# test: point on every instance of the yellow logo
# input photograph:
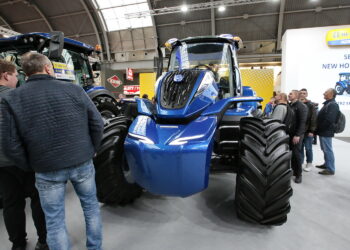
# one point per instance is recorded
(338, 37)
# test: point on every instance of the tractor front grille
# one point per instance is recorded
(175, 93)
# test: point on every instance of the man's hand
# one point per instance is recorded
(310, 135)
(296, 139)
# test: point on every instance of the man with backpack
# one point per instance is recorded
(297, 133)
(326, 125)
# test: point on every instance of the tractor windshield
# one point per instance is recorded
(216, 57)
(344, 77)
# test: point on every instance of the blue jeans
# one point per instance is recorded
(52, 186)
(326, 146)
(307, 144)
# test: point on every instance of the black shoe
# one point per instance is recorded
(41, 246)
(19, 247)
(298, 179)
(323, 166)
(326, 172)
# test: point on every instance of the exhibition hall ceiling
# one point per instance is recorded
(140, 25)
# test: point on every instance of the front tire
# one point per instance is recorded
(107, 106)
(339, 89)
(263, 185)
(113, 186)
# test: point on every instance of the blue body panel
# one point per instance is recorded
(344, 84)
(162, 168)
(91, 88)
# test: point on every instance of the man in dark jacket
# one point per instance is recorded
(55, 129)
(326, 119)
(16, 184)
(310, 127)
(296, 136)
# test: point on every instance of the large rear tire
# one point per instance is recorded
(107, 106)
(112, 174)
(263, 185)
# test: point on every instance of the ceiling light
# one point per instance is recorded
(222, 8)
(184, 8)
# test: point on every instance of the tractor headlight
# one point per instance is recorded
(141, 138)
(208, 79)
(184, 140)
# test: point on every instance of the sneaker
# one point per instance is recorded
(323, 166)
(308, 167)
(298, 179)
(326, 172)
(41, 246)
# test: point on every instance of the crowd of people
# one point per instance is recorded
(303, 122)
(51, 130)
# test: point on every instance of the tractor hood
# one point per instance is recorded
(183, 94)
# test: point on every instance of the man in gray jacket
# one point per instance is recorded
(16, 184)
(56, 130)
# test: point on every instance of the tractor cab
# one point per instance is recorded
(214, 54)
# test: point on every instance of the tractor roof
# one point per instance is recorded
(29, 39)
(344, 74)
(202, 39)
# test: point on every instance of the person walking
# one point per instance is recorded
(326, 119)
(56, 130)
(297, 135)
(310, 127)
(16, 184)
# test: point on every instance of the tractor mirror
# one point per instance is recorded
(56, 44)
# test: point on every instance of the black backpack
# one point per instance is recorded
(339, 125)
(289, 120)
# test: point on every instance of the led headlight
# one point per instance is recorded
(141, 138)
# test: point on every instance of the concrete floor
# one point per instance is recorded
(319, 218)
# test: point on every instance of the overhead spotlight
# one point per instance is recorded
(222, 8)
(184, 8)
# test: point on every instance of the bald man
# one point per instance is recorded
(326, 119)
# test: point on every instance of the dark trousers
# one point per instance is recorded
(296, 156)
(15, 186)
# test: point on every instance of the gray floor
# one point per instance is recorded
(319, 218)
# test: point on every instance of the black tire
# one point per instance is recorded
(339, 89)
(107, 106)
(263, 185)
(112, 184)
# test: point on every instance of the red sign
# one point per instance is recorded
(129, 74)
(131, 89)
(114, 81)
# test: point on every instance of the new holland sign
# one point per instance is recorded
(114, 81)
(338, 37)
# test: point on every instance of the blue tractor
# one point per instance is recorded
(343, 84)
(70, 59)
(203, 121)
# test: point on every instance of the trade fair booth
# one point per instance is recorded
(318, 59)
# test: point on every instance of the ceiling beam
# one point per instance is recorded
(155, 32)
(280, 24)
(103, 27)
(7, 23)
(256, 15)
(35, 6)
(212, 18)
(93, 23)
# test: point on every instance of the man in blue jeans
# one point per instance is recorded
(326, 119)
(310, 127)
(55, 129)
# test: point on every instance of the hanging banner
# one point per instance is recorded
(129, 74)
(338, 37)
(114, 81)
(131, 89)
